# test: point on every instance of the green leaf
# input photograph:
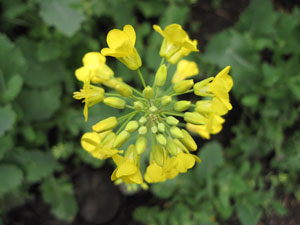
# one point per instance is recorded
(37, 164)
(13, 88)
(48, 50)
(62, 16)
(258, 19)
(212, 157)
(7, 143)
(248, 214)
(11, 177)
(11, 59)
(40, 104)
(60, 195)
(234, 49)
(164, 190)
(250, 100)
(174, 14)
(7, 119)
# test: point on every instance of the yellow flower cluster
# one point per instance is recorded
(156, 112)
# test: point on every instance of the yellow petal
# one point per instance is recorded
(90, 140)
(126, 169)
(82, 73)
(93, 60)
(128, 29)
(136, 178)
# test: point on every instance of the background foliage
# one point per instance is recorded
(243, 170)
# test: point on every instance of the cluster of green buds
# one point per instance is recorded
(155, 126)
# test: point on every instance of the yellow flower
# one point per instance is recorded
(213, 126)
(121, 46)
(176, 41)
(218, 87)
(211, 106)
(94, 68)
(185, 69)
(127, 167)
(91, 95)
(100, 148)
(181, 53)
(185, 161)
(154, 173)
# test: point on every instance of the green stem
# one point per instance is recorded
(125, 116)
(125, 123)
(141, 77)
(162, 61)
(189, 91)
(174, 114)
(112, 94)
(129, 106)
(138, 92)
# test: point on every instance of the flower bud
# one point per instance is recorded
(143, 120)
(148, 92)
(141, 144)
(166, 100)
(182, 106)
(183, 86)
(121, 139)
(154, 129)
(90, 140)
(204, 106)
(171, 146)
(138, 106)
(142, 130)
(201, 89)
(161, 127)
(180, 145)
(176, 132)
(194, 117)
(188, 141)
(115, 102)
(171, 120)
(153, 109)
(106, 124)
(161, 76)
(132, 126)
(161, 139)
(124, 89)
(109, 139)
(158, 154)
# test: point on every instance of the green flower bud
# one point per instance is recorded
(161, 76)
(180, 145)
(121, 139)
(166, 100)
(158, 154)
(138, 106)
(153, 109)
(194, 118)
(204, 106)
(106, 124)
(148, 92)
(124, 89)
(142, 130)
(141, 144)
(142, 120)
(200, 87)
(176, 132)
(154, 129)
(161, 127)
(182, 106)
(132, 126)
(171, 120)
(161, 139)
(171, 146)
(188, 141)
(183, 86)
(109, 139)
(115, 102)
